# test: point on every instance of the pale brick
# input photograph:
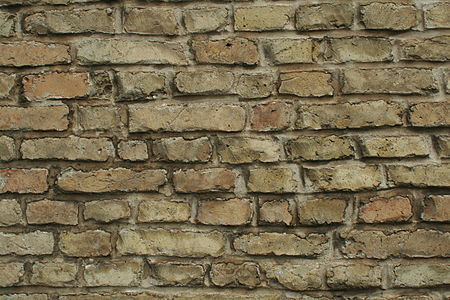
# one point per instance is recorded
(10, 213)
(107, 210)
(19, 54)
(261, 18)
(177, 274)
(391, 16)
(422, 274)
(436, 15)
(321, 211)
(225, 212)
(133, 150)
(359, 49)
(140, 85)
(386, 209)
(434, 49)
(32, 243)
(238, 150)
(30, 296)
(443, 146)
(394, 146)
(204, 82)
(53, 273)
(230, 296)
(7, 83)
(52, 212)
(155, 211)
(231, 274)
(41, 2)
(157, 21)
(271, 116)
(11, 273)
(114, 273)
(204, 180)
(436, 208)
(324, 16)
(97, 117)
(272, 180)
(297, 277)
(205, 19)
(85, 244)
(306, 84)
(7, 24)
(290, 51)
(183, 150)
(355, 275)
(276, 211)
(7, 149)
(421, 175)
(255, 85)
(34, 118)
(23, 181)
(319, 148)
(430, 114)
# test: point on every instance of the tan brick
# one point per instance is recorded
(319, 148)
(7, 83)
(391, 16)
(307, 276)
(52, 212)
(271, 116)
(386, 209)
(7, 24)
(7, 149)
(97, 117)
(170, 243)
(255, 85)
(124, 272)
(119, 51)
(177, 274)
(271, 243)
(41, 2)
(443, 146)
(183, 150)
(231, 274)
(354, 275)
(155, 21)
(422, 274)
(140, 85)
(289, 51)
(23, 181)
(394, 146)
(321, 211)
(85, 244)
(324, 16)
(238, 150)
(107, 210)
(53, 273)
(262, 18)
(204, 180)
(133, 150)
(24, 297)
(237, 50)
(10, 213)
(420, 175)
(434, 49)
(190, 117)
(272, 180)
(32, 243)
(430, 114)
(359, 49)
(69, 148)
(247, 295)
(225, 212)
(204, 82)
(276, 211)
(10, 274)
(70, 21)
(155, 211)
(34, 118)
(19, 54)
(436, 15)
(306, 84)
(111, 180)
(436, 208)
(205, 19)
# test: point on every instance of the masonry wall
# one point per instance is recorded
(187, 150)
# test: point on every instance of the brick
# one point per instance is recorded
(422, 274)
(155, 211)
(307, 276)
(324, 16)
(321, 211)
(420, 175)
(205, 19)
(436, 15)
(10, 274)
(381, 245)
(177, 274)
(7, 24)
(251, 86)
(319, 148)
(436, 208)
(271, 116)
(358, 49)
(238, 150)
(190, 117)
(343, 178)
(52, 212)
(247, 295)
(133, 150)
(111, 180)
(272, 180)
(32, 243)
(390, 16)
(225, 212)
(271, 243)
(140, 85)
(231, 51)
(349, 115)
(70, 21)
(125, 272)
(53, 273)
(85, 244)
(306, 84)
(386, 209)
(155, 21)
(41, 2)
(34, 118)
(170, 243)
(7, 149)
(7, 83)
(354, 275)
(20, 54)
(443, 146)
(69, 148)
(389, 81)
(394, 146)
(434, 49)
(10, 213)
(276, 211)
(107, 211)
(97, 117)
(290, 51)
(231, 274)
(118, 51)
(204, 82)
(430, 114)
(102, 85)
(24, 297)
(183, 150)
(204, 180)
(23, 181)
(261, 18)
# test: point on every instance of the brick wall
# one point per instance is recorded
(187, 150)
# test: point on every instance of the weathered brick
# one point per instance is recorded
(19, 54)
(205, 19)
(97, 117)
(430, 114)
(85, 244)
(124, 272)
(24, 297)
(343, 178)
(237, 50)
(10, 213)
(42, 2)
(381, 245)
(272, 116)
(434, 49)
(389, 81)
(276, 211)
(34, 118)
(394, 146)
(238, 150)
(53, 273)
(111, 180)
(151, 21)
(247, 295)
(69, 148)
(255, 85)
(133, 150)
(225, 212)
(204, 180)
(321, 211)
(10, 274)
(178, 274)
(118, 51)
(190, 117)
(436, 208)
(106, 210)
(183, 150)
(7, 83)
(7, 24)
(391, 16)
(231, 274)
(349, 115)
(204, 82)
(443, 146)
(155, 211)
(354, 275)
(386, 209)
(289, 51)
(267, 243)
(140, 85)
(358, 49)
(70, 21)
(319, 148)
(170, 243)
(32, 243)
(422, 274)
(436, 15)
(272, 180)
(23, 181)
(261, 18)
(7, 149)
(306, 84)
(297, 277)
(52, 212)
(421, 175)
(324, 16)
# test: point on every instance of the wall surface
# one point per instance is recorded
(225, 150)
